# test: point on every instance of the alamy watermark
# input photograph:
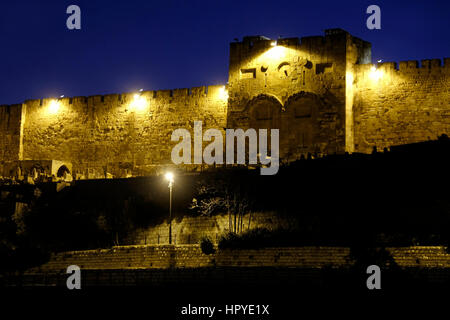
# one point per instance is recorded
(213, 152)
(74, 280)
(74, 20)
(374, 20)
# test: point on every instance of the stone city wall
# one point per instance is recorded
(191, 256)
(321, 92)
(117, 134)
(400, 106)
(190, 230)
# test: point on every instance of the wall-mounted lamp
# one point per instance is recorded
(139, 102)
(54, 106)
(375, 74)
(223, 93)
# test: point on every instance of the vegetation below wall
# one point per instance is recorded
(391, 198)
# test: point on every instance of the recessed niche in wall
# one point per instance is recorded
(284, 68)
(324, 68)
(303, 110)
(249, 73)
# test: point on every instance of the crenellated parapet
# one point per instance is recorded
(400, 103)
(103, 135)
(321, 92)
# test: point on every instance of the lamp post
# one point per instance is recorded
(169, 177)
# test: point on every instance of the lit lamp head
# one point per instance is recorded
(53, 107)
(375, 74)
(139, 102)
(223, 93)
(169, 177)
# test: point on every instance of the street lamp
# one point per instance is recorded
(169, 177)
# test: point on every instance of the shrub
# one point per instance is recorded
(207, 245)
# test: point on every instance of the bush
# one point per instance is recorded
(207, 245)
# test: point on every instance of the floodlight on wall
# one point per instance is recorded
(139, 103)
(375, 74)
(275, 53)
(53, 106)
(223, 93)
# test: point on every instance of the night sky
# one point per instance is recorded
(127, 45)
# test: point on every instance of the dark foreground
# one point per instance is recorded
(288, 293)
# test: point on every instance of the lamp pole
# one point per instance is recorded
(169, 177)
(170, 211)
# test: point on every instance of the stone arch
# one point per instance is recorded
(264, 97)
(300, 125)
(303, 104)
(264, 112)
(62, 170)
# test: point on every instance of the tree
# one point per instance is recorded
(219, 196)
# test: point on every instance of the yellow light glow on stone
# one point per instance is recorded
(276, 53)
(139, 103)
(223, 93)
(375, 74)
(54, 107)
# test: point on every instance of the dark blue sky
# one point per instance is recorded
(127, 45)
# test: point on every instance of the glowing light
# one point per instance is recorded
(169, 177)
(375, 74)
(223, 93)
(53, 107)
(273, 43)
(139, 103)
(276, 53)
(349, 79)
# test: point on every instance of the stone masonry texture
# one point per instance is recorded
(191, 256)
(321, 92)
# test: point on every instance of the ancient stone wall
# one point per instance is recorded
(394, 106)
(321, 92)
(190, 230)
(10, 132)
(191, 256)
(118, 134)
(297, 86)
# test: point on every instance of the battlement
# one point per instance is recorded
(211, 91)
(411, 66)
(258, 43)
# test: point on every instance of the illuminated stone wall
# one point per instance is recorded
(320, 91)
(399, 106)
(296, 85)
(118, 134)
(190, 230)
(191, 256)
